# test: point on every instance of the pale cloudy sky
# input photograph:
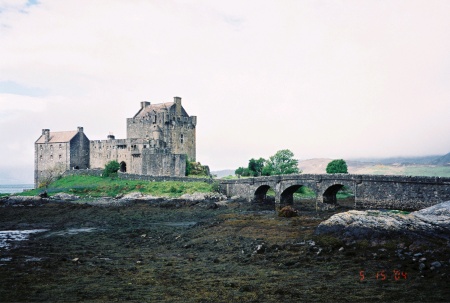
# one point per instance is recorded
(336, 79)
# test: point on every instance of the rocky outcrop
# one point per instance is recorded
(65, 197)
(433, 221)
(22, 200)
(203, 196)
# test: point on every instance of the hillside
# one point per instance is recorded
(318, 166)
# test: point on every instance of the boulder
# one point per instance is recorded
(369, 224)
(203, 196)
(65, 197)
(22, 199)
(137, 196)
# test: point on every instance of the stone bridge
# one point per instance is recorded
(370, 191)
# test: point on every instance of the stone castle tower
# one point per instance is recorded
(160, 138)
(56, 152)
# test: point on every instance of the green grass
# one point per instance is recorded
(100, 187)
(430, 171)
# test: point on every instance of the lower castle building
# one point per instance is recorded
(160, 138)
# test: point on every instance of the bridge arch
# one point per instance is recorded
(260, 194)
(287, 195)
(330, 194)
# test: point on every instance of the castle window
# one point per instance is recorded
(60, 146)
(60, 157)
(51, 157)
(51, 146)
(40, 157)
(40, 147)
(181, 138)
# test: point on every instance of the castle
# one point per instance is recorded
(160, 138)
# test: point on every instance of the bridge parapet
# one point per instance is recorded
(371, 191)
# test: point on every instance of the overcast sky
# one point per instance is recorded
(335, 79)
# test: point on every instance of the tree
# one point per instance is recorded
(337, 167)
(256, 166)
(239, 171)
(282, 163)
(51, 175)
(188, 167)
(111, 169)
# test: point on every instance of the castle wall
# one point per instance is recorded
(183, 138)
(104, 151)
(57, 152)
(137, 157)
(159, 164)
(79, 152)
(50, 159)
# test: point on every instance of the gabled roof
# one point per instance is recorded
(58, 137)
(153, 107)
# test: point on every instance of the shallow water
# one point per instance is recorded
(177, 224)
(9, 236)
(71, 231)
(14, 188)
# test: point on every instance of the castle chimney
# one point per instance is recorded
(144, 104)
(111, 137)
(80, 129)
(46, 134)
(177, 101)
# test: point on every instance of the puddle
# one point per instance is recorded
(9, 236)
(71, 231)
(33, 259)
(176, 224)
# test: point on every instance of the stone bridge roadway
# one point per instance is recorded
(370, 191)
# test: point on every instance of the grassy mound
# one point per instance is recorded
(92, 186)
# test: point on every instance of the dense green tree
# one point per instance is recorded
(256, 166)
(337, 167)
(188, 167)
(239, 171)
(111, 169)
(281, 163)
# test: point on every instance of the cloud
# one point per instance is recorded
(322, 78)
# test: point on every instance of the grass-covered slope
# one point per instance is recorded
(93, 186)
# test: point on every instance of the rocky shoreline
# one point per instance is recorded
(203, 248)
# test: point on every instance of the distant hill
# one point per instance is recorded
(223, 173)
(433, 166)
(424, 160)
(444, 160)
(411, 166)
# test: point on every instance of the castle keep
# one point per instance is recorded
(160, 137)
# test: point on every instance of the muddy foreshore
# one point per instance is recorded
(190, 251)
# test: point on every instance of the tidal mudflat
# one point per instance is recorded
(195, 252)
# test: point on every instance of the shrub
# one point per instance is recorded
(111, 169)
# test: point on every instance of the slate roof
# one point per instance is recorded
(153, 107)
(58, 137)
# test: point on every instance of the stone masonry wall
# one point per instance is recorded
(370, 191)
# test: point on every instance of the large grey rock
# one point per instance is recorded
(138, 196)
(366, 224)
(65, 197)
(20, 199)
(438, 214)
(203, 196)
